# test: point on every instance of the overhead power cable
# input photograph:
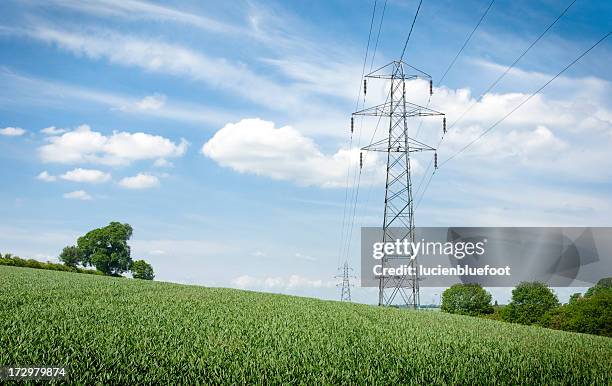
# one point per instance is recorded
(365, 59)
(491, 86)
(494, 125)
(382, 17)
(356, 196)
(452, 63)
(411, 28)
(511, 66)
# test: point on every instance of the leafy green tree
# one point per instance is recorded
(530, 301)
(603, 285)
(142, 270)
(575, 297)
(70, 256)
(466, 299)
(589, 315)
(107, 248)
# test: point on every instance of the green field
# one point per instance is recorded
(123, 330)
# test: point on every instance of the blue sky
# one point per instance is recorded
(219, 131)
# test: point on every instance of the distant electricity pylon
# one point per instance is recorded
(398, 220)
(346, 285)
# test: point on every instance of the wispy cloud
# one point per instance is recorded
(45, 176)
(161, 57)
(12, 131)
(52, 130)
(31, 90)
(78, 195)
(143, 10)
(279, 282)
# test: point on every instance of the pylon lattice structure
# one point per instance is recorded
(398, 222)
(346, 276)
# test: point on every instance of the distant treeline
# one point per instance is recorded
(16, 261)
(533, 303)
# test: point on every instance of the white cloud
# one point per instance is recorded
(563, 134)
(86, 175)
(78, 195)
(12, 131)
(52, 130)
(140, 181)
(304, 257)
(256, 146)
(84, 145)
(44, 176)
(150, 102)
(279, 283)
(163, 163)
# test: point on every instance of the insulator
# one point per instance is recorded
(430, 87)
(365, 86)
(352, 124)
(444, 125)
(360, 160)
(435, 160)
(404, 90)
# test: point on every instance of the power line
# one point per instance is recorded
(411, 27)
(491, 87)
(493, 126)
(365, 59)
(525, 100)
(452, 63)
(382, 17)
(513, 63)
(357, 177)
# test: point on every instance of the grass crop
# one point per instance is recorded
(114, 330)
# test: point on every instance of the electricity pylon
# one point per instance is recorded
(398, 220)
(346, 285)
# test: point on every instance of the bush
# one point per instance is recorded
(530, 302)
(603, 285)
(17, 261)
(590, 315)
(496, 314)
(142, 270)
(466, 299)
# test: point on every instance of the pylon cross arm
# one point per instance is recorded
(383, 146)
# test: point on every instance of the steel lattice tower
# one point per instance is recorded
(398, 222)
(346, 285)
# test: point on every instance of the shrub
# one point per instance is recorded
(603, 285)
(16, 261)
(466, 299)
(142, 270)
(590, 315)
